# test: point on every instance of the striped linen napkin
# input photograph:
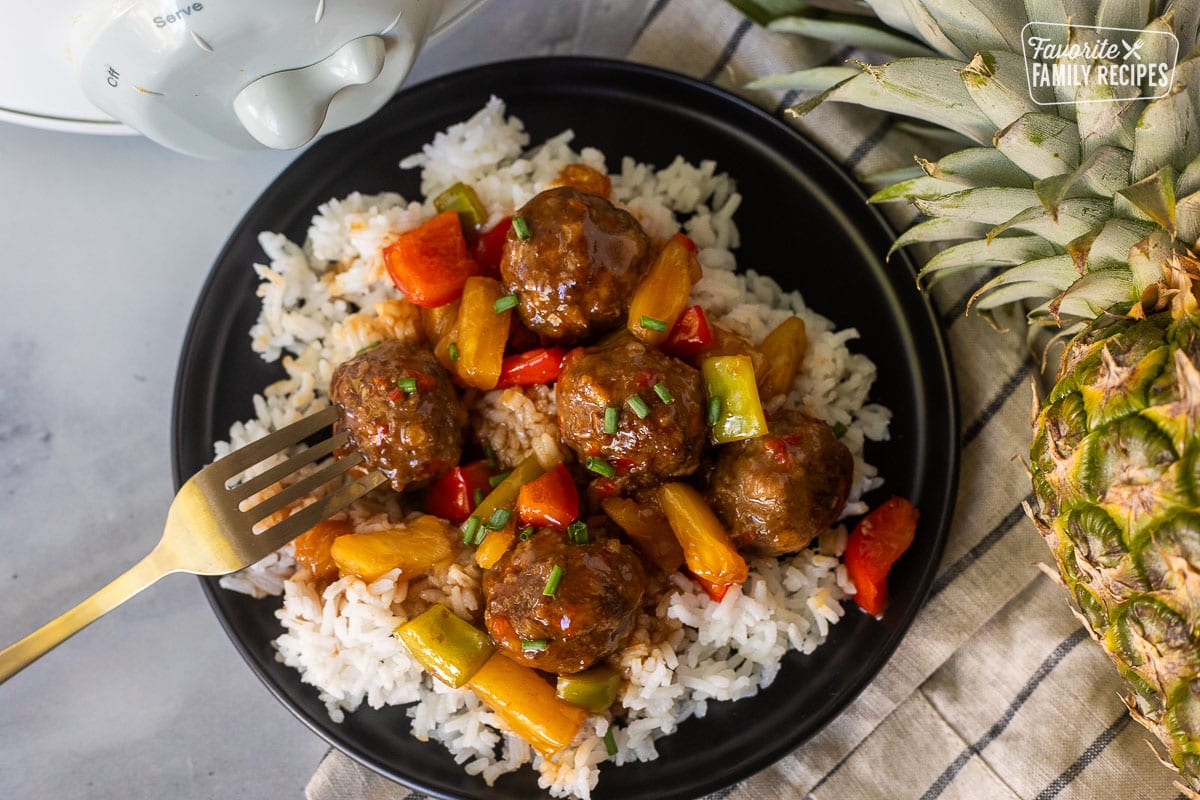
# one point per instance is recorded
(996, 692)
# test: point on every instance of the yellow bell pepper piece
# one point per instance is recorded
(496, 544)
(482, 332)
(528, 704)
(707, 548)
(662, 295)
(451, 648)
(505, 494)
(735, 411)
(415, 548)
(782, 354)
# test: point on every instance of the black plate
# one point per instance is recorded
(802, 221)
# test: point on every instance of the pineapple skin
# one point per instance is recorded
(1115, 465)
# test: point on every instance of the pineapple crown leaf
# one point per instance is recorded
(854, 30)
(1092, 179)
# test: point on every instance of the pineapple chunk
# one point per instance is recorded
(416, 548)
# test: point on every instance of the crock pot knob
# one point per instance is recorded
(286, 109)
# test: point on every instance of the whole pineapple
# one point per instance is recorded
(1093, 212)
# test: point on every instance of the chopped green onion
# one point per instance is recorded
(526, 532)
(638, 405)
(371, 346)
(498, 519)
(503, 304)
(577, 532)
(652, 324)
(601, 467)
(480, 536)
(533, 645)
(453, 351)
(470, 528)
(839, 429)
(521, 228)
(555, 578)
(664, 393)
(496, 480)
(714, 410)
(611, 414)
(610, 742)
(408, 385)
(490, 454)
(478, 496)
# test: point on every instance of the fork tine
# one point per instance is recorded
(278, 535)
(278, 472)
(302, 487)
(245, 457)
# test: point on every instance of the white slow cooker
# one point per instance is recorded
(211, 78)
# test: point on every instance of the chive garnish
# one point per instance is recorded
(521, 228)
(577, 532)
(479, 537)
(407, 385)
(477, 496)
(498, 519)
(533, 645)
(526, 532)
(496, 480)
(490, 454)
(839, 429)
(638, 405)
(601, 467)
(555, 578)
(652, 324)
(503, 304)
(611, 414)
(453, 351)
(610, 742)
(714, 410)
(470, 528)
(663, 393)
(371, 346)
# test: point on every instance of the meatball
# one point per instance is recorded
(401, 412)
(777, 492)
(591, 613)
(666, 443)
(577, 270)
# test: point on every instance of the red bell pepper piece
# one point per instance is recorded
(541, 365)
(691, 337)
(489, 247)
(551, 499)
(430, 263)
(452, 497)
(878, 540)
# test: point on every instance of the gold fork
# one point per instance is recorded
(209, 533)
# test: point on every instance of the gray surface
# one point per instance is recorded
(106, 242)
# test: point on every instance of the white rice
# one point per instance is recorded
(323, 301)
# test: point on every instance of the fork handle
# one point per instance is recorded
(24, 652)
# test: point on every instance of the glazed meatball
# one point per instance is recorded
(401, 412)
(576, 272)
(666, 443)
(591, 613)
(777, 492)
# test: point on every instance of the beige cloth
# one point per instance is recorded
(996, 691)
